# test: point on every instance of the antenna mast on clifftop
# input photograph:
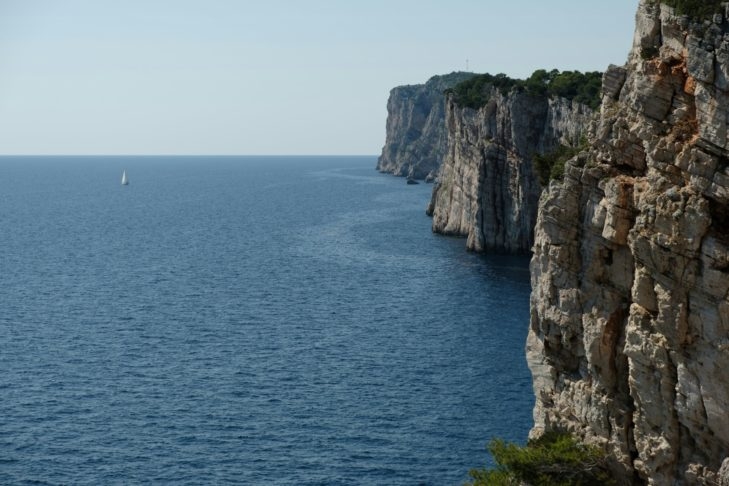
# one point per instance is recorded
(467, 65)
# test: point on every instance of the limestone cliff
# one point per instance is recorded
(415, 136)
(629, 334)
(488, 189)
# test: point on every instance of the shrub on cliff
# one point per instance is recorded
(555, 459)
(551, 165)
(572, 85)
(476, 92)
(695, 8)
(583, 88)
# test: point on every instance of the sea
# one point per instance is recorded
(247, 320)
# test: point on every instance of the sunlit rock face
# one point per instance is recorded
(487, 188)
(629, 334)
(415, 139)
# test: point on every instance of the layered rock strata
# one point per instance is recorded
(629, 334)
(487, 188)
(415, 140)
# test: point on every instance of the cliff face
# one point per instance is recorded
(488, 190)
(629, 334)
(415, 138)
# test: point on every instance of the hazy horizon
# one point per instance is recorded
(96, 77)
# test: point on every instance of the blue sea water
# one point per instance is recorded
(247, 320)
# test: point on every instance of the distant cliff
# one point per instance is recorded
(488, 186)
(629, 335)
(415, 139)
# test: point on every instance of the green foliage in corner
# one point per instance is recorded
(555, 459)
(695, 8)
(551, 165)
(573, 85)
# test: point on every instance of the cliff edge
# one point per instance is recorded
(629, 332)
(415, 139)
(488, 188)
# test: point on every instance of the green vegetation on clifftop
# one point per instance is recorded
(475, 92)
(573, 85)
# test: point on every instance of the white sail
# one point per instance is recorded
(125, 181)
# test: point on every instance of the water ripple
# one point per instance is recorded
(248, 321)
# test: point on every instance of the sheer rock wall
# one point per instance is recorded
(415, 139)
(629, 333)
(487, 188)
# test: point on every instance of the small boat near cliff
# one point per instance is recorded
(125, 180)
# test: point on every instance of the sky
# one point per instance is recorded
(275, 77)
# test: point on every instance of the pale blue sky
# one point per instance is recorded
(273, 77)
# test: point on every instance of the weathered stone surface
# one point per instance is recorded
(416, 140)
(488, 190)
(724, 473)
(613, 81)
(629, 335)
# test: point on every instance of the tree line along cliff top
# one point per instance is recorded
(573, 85)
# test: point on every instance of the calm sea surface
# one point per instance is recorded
(247, 320)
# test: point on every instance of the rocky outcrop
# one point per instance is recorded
(629, 334)
(488, 190)
(416, 139)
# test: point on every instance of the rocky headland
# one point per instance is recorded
(629, 333)
(415, 138)
(488, 185)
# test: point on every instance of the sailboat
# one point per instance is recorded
(125, 181)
